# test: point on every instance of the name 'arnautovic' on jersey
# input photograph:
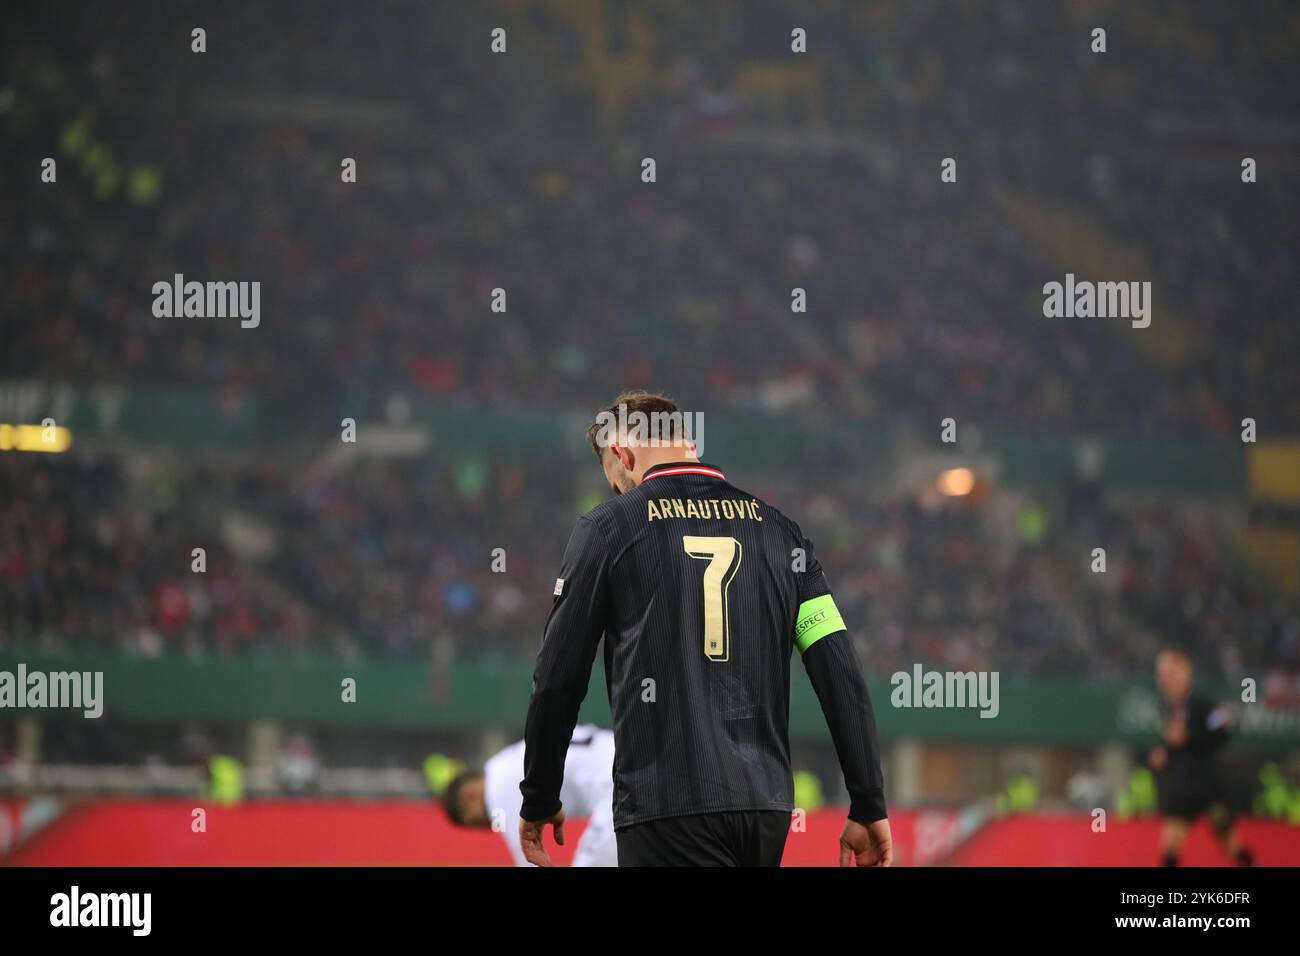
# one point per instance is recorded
(702, 592)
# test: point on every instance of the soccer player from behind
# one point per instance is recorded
(1188, 778)
(489, 798)
(702, 593)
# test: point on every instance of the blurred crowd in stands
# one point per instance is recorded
(523, 172)
(401, 560)
(476, 174)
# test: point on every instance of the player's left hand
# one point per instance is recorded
(530, 838)
(1176, 733)
(870, 845)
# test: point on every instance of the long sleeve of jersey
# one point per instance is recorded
(1207, 727)
(836, 676)
(563, 668)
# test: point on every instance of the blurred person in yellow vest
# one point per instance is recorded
(1020, 794)
(225, 780)
(440, 770)
(808, 795)
(1139, 799)
(224, 775)
(1276, 798)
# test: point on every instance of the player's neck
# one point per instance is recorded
(671, 455)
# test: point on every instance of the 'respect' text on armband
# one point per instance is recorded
(817, 617)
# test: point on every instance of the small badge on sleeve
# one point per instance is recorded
(559, 586)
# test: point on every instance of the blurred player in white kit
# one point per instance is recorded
(490, 797)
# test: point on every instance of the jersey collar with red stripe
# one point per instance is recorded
(683, 468)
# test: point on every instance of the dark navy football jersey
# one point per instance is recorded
(702, 593)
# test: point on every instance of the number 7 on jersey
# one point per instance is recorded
(723, 555)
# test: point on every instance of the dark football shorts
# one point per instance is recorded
(732, 838)
(1187, 802)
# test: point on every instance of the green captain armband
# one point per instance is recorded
(817, 618)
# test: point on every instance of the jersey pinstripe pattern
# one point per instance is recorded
(692, 582)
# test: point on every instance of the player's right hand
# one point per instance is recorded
(530, 838)
(869, 845)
